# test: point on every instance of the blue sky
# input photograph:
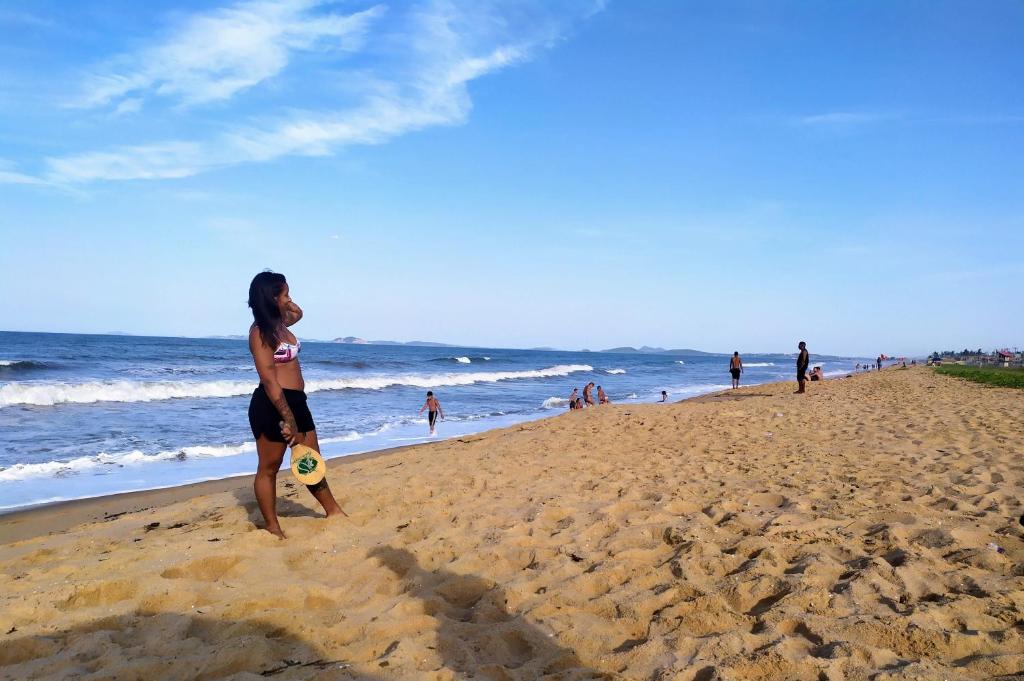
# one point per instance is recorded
(718, 175)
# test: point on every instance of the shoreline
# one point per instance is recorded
(213, 483)
(60, 516)
(18, 524)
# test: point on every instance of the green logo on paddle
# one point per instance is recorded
(306, 465)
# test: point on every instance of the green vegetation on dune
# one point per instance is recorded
(1004, 378)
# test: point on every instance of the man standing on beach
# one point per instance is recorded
(588, 398)
(879, 362)
(803, 360)
(735, 368)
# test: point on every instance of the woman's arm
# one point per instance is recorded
(263, 357)
(292, 314)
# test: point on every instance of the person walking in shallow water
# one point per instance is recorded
(735, 368)
(803, 360)
(433, 407)
(278, 414)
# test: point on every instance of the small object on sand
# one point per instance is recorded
(992, 546)
(150, 527)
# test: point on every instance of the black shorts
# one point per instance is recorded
(432, 417)
(265, 420)
(801, 375)
(735, 374)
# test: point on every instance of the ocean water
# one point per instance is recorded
(87, 415)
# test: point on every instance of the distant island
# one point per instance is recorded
(352, 340)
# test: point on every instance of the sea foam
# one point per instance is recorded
(49, 394)
(24, 471)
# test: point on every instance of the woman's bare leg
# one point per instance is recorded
(271, 454)
(322, 491)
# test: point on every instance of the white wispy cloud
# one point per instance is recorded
(841, 119)
(23, 18)
(422, 59)
(10, 175)
(214, 56)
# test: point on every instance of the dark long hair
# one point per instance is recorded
(263, 292)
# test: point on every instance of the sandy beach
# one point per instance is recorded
(755, 534)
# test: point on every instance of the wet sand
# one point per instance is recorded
(754, 534)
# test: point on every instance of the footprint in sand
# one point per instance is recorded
(204, 569)
(767, 500)
(103, 593)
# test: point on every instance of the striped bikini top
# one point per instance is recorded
(286, 352)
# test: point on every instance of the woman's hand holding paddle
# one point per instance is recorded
(290, 437)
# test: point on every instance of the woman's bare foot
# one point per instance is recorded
(276, 531)
(336, 512)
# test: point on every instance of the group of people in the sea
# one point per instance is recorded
(587, 400)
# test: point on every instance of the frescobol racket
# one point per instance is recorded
(307, 465)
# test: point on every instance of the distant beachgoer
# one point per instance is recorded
(664, 396)
(879, 362)
(278, 413)
(858, 366)
(588, 399)
(579, 403)
(802, 361)
(735, 368)
(602, 396)
(433, 407)
(573, 398)
(817, 374)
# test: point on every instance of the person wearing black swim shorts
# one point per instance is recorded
(803, 360)
(278, 413)
(735, 368)
(433, 407)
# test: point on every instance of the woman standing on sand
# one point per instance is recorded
(278, 413)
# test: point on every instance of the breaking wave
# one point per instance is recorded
(49, 394)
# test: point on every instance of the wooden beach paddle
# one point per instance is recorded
(307, 465)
